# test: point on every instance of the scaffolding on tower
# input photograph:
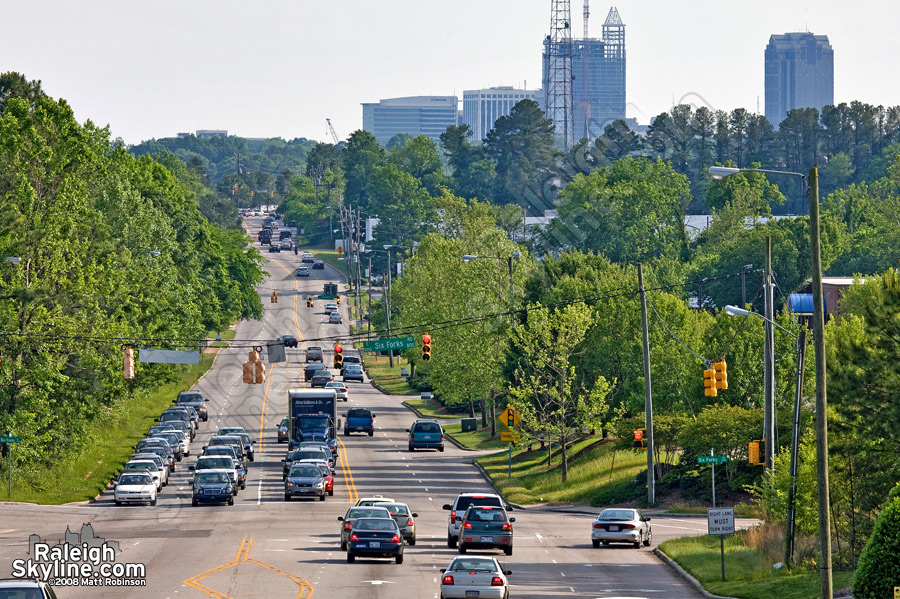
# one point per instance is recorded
(558, 86)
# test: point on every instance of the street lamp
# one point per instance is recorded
(822, 483)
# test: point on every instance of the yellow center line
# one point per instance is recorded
(348, 474)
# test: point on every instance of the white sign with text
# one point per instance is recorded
(720, 521)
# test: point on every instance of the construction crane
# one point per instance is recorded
(331, 130)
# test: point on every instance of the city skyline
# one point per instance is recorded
(281, 70)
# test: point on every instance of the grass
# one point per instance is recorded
(86, 475)
(748, 572)
(387, 378)
(598, 476)
(430, 408)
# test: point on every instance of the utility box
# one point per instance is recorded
(469, 425)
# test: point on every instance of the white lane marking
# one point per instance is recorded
(563, 574)
(539, 537)
(276, 549)
(572, 589)
(426, 490)
(259, 492)
(430, 499)
(553, 560)
(137, 542)
(377, 582)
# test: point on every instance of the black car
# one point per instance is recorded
(275, 248)
(289, 341)
(375, 537)
(310, 370)
(318, 265)
(193, 399)
(212, 486)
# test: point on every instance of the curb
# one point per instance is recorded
(683, 573)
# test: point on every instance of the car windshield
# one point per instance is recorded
(314, 422)
(464, 502)
(305, 454)
(212, 477)
(428, 427)
(626, 515)
(375, 524)
(141, 466)
(226, 450)
(475, 564)
(226, 440)
(334, 385)
(135, 479)
(305, 472)
(21, 593)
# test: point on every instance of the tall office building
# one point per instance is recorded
(415, 115)
(799, 74)
(482, 107)
(598, 73)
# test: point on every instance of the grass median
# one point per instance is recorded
(387, 378)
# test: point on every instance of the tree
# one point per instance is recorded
(362, 156)
(15, 85)
(420, 158)
(402, 206)
(620, 140)
(879, 566)
(545, 388)
(749, 189)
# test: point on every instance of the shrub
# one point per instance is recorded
(878, 571)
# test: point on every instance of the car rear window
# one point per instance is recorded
(464, 502)
(486, 514)
(359, 413)
(428, 427)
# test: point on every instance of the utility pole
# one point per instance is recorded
(386, 297)
(369, 278)
(648, 397)
(795, 447)
(825, 580)
(769, 366)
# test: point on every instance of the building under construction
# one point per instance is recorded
(596, 69)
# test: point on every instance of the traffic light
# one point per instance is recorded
(274, 298)
(709, 382)
(338, 355)
(426, 347)
(129, 362)
(640, 439)
(254, 371)
(757, 452)
(338, 299)
(721, 369)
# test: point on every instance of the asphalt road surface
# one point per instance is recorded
(268, 548)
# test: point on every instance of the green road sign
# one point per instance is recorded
(712, 459)
(398, 343)
(10, 439)
(326, 297)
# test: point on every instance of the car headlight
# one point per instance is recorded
(229, 489)
(319, 485)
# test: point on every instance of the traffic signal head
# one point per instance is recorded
(426, 347)
(721, 369)
(338, 355)
(338, 299)
(757, 451)
(709, 382)
(640, 441)
(129, 363)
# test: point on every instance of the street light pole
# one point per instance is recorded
(769, 403)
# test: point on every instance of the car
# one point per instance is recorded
(183, 427)
(331, 307)
(309, 453)
(189, 414)
(426, 434)
(237, 441)
(360, 420)
(353, 514)
(307, 258)
(304, 479)
(218, 462)
(621, 525)
(354, 373)
(368, 501)
(284, 234)
(274, 247)
(348, 361)
(229, 451)
(249, 450)
(314, 353)
(284, 430)
(302, 271)
(375, 537)
(161, 465)
(311, 369)
(486, 527)
(404, 519)
(196, 400)
(327, 473)
(134, 487)
(472, 576)
(177, 416)
(459, 507)
(213, 486)
(26, 589)
(287, 245)
(160, 447)
(173, 440)
(158, 428)
(335, 318)
(321, 378)
(183, 440)
(340, 389)
(318, 265)
(329, 452)
(288, 341)
(148, 466)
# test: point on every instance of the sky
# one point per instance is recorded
(279, 68)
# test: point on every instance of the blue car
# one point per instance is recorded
(359, 420)
(426, 434)
(212, 486)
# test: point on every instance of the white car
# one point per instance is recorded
(340, 389)
(335, 318)
(161, 465)
(147, 466)
(185, 442)
(619, 525)
(331, 307)
(135, 487)
(302, 271)
(480, 577)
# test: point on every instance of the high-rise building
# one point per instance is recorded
(799, 74)
(415, 115)
(482, 107)
(598, 78)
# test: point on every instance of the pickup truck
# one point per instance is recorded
(314, 354)
(359, 420)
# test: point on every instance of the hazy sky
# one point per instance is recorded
(278, 68)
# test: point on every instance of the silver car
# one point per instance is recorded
(619, 525)
(304, 480)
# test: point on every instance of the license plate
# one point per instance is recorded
(375, 544)
(212, 492)
(613, 529)
(471, 594)
(487, 539)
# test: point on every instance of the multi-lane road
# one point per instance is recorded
(264, 547)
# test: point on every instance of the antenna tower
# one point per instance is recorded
(559, 100)
(587, 15)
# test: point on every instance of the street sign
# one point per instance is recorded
(326, 297)
(720, 521)
(510, 437)
(398, 343)
(712, 459)
(896, 592)
(510, 417)
(10, 439)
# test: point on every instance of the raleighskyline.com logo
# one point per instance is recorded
(81, 559)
